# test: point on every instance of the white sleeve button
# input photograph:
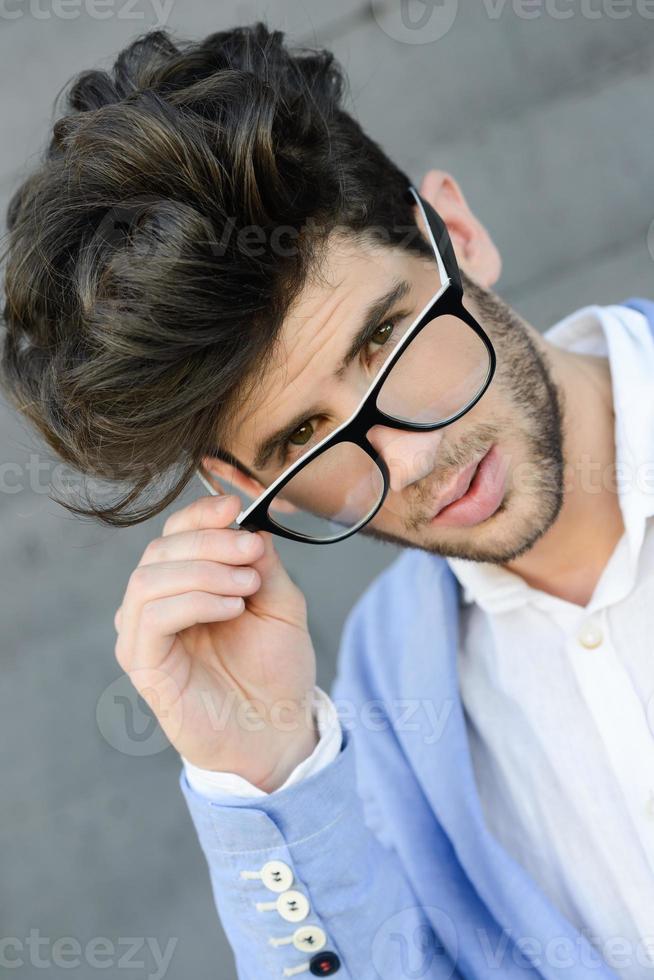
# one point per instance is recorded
(309, 939)
(293, 906)
(277, 876)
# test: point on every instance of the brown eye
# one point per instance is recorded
(301, 435)
(382, 333)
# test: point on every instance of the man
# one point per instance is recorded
(481, 807)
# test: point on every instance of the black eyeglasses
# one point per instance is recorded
(431, 373)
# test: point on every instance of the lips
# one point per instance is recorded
(459, 486)
(484, 495)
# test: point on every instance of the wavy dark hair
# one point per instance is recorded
(134, 318)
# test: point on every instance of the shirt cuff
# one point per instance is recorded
(215, 785)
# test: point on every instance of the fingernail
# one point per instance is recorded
(242, 576)
(244, 541)
(233, 603)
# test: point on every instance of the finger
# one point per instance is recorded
(206, 544)
(161, 619)
(150, 582)
(206, 511)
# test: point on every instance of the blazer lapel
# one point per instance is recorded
(439, 752)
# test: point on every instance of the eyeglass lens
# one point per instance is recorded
(440, 373)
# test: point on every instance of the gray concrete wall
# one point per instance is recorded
(546, 121)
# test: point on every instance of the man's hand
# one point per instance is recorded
(213, 634)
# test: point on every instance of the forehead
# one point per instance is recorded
(327, 312)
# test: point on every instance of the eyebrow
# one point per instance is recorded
(372, 320)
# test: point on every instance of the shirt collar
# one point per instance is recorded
(625, 337)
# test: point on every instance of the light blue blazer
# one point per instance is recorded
(388, 842)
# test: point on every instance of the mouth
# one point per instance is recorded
(475, 493)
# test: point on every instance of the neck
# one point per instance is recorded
(569, 559)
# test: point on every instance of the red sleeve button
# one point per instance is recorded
(324, 964)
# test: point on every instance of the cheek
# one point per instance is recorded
(496, 410)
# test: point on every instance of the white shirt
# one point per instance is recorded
(559, 698)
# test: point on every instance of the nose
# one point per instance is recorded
(410, 456)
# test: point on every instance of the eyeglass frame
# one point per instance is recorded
(446, 300)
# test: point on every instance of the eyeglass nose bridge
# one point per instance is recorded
(361, 424)
(357, 432)
(358, 428)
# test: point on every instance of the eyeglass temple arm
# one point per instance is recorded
(204, 480)
(440, 240)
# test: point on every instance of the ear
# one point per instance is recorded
(215, 470)
(474, 249)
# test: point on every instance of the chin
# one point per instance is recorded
(507, 534)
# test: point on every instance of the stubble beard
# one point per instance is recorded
(535, 410)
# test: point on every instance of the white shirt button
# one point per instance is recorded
(277, 876)
(590, 635)
(309, 939)
(293, 906)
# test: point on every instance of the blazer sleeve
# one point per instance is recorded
(350, 884)
(326, 844)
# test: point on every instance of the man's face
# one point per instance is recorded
(519, 414)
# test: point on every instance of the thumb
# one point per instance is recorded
(277, 593)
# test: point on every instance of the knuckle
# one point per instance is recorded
(180, 519)
(214, 543)
(200, 542)
(206, 575)
(170, 524)
(153, 550)
(151, 614)
(198, 514)
(138, 579)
